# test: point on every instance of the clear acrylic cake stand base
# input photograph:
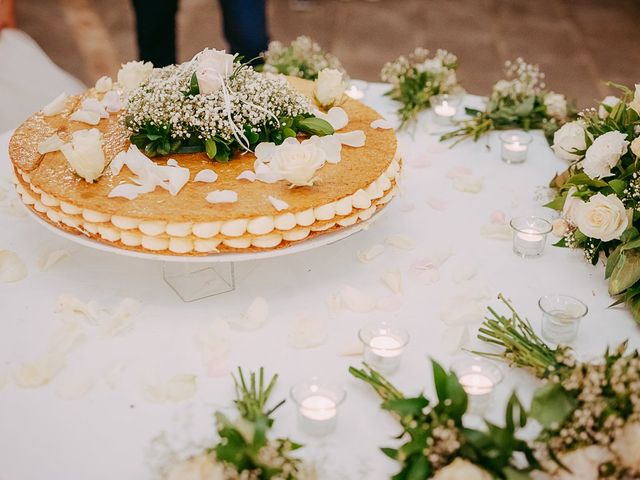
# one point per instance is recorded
(195, 281)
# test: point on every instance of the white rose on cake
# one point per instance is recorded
(608, 101)
(635, 103)
(213, 67)
(133, 74)
(297, 163)
(604, 154)
(584, 463)
(84, 154)
(567, 139)
(602, 217)
(627, 446)
(462, 469)
(556, 105)
(329, 88)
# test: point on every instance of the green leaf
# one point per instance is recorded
(314, 126)
(406, 406)
(194, 88)
(612, 261)
(618, 186)
(583, 179)
(525, 108)
(557, 203)
(392, 453)
(551, 405)
(210, 147)
(511, 473)
(625, 273)
(633, 304)
(440, 380)
(419, 469)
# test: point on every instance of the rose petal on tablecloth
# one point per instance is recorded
(66, 336)
(496, 231)
(73, 386)
(122, 317)
(393, 280)
(207, 176)
(178, 388)
(351, 349)
(468, 183)
(51, 257)
(307, 331)
(114, 376)
(463, 271)
(370, 253)
(437, 204)
(40, 371)
(12, 268)
(356, 300)
(255, 316)
(401, 241)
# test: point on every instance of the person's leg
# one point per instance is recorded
(245, 26)
(156, 29)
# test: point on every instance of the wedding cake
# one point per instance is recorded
(204, 157)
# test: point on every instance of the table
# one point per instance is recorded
(109, 433)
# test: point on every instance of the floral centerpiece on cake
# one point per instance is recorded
(245, 451)
(417, 77)
(589, 411)
(520, 100)
(302, 58)
(599, 195)
(436, 443)
(217, 105)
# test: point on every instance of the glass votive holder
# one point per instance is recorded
(384, 344)
(479, 378)
(515, 146)
(529, 235)
(561, 315)
(317, 404)
(445, 107)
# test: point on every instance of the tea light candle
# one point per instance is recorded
(515, 146)
(317, 405)
(383, 345)
(529, 235)
(445, 107)
(561, 315)
(479, 378)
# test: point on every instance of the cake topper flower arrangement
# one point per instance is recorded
(218, 105)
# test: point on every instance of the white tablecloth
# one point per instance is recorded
(107, 433)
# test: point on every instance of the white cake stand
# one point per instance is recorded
(197, 277)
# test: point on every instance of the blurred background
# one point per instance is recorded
(578, 43)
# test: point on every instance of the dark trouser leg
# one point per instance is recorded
(156, 29)
(245, 26)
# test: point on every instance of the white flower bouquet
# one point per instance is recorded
(599, 195)
(589, 411)
(215, 104)
(302, 58)
(417, 77)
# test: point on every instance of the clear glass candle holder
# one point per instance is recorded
(317, 402)
(515, 146)
(445, 106)
(384, 344)
(561, 315)
(479, 378)
(529, 235)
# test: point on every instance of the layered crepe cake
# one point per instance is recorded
(344, 193)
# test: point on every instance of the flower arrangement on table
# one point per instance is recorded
(517, 101)
(245, 450)
(438, 445)
(417, 77)
(599, 195)
(589, 411)
(303, 58)
(217, 105)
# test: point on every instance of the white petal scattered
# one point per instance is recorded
(356, 139)
(69, 304)
(85, 116)
(55, 106)
(356, 300)
(172, 162)
(256, 316)
(178, 388)
(207, 176)
(425, 271)
(104, 84)
(498, 217)
(40, 371)
(331, 146)
(91, 104)
(454, 338)
(12, 268)
(404, 242)
(213, 340)
(278, 204)
(128, 191)
(115, 375)
(370, 253)
(393, 280)
(468, 183)
(307, 331)
(66, 336)
(222, 196)
(247, 175)
(496, 231)
(112, 102)
(117, 163)
(336, 116)
(437, 204)
(463, 272)
(50, 258)
(459, 172)
(51, 144)
(382, 124)
(351, 349)
(73, 386)
(122, 317)
(460, 310)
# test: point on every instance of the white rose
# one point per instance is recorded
(635, 147)
(571, 205)
(556, 104)
(570, 137)
(133, 74)
(461, 469)
(635, 103)
(104, 84)
(608, 101)
(584, 463)
(297, 163)
(213, 67)
(604, 218)
(559, 227)
(84, 154)
(627, 446)
(329, 87)
(201, 467)
(604, 154)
